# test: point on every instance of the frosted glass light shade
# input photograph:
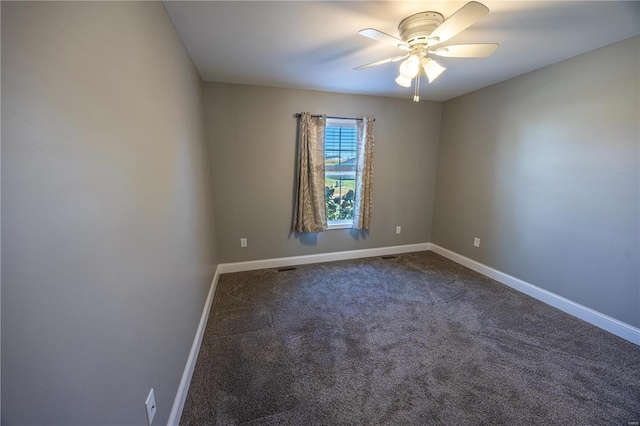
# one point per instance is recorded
(432, 69)
(403, 81)
(410, 67)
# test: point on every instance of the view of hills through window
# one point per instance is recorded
(340, 169)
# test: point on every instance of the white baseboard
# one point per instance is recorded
(319, 258)
(612, 325)
(183, 388)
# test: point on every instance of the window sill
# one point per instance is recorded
(347, 224)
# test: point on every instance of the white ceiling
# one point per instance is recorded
(316, 45)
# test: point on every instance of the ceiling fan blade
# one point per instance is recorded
(459, 21)
(384, 61)
(384, 38)
(480, 50)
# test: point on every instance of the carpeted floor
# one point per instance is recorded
(412, 340)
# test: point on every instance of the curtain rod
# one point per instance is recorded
(335, 118)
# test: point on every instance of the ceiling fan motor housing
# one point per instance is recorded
(417, 28)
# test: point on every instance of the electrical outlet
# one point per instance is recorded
(150, 406)
(476, 242)
(243, 242)
(398, 229)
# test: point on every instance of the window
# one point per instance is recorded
(340, 144)
(335, 173)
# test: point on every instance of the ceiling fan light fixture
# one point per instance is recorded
(432, 69)
(423, 34)
(403, 81)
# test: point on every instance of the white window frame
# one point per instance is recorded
(340, 122)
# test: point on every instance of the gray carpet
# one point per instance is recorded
(411, 340)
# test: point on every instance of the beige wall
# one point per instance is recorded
(107, 230)
(252, 136)
(544, 168)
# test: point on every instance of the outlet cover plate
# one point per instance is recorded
(398, 229)
(150, 406)
(476, 242)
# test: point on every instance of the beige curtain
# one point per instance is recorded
(310, 210)
(364, 175)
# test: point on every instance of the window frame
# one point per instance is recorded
(349, 123)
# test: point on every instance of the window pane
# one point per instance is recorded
(340, 167)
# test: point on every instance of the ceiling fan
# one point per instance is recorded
(420, 37)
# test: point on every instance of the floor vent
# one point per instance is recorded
(389, 257)
(288, 268)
